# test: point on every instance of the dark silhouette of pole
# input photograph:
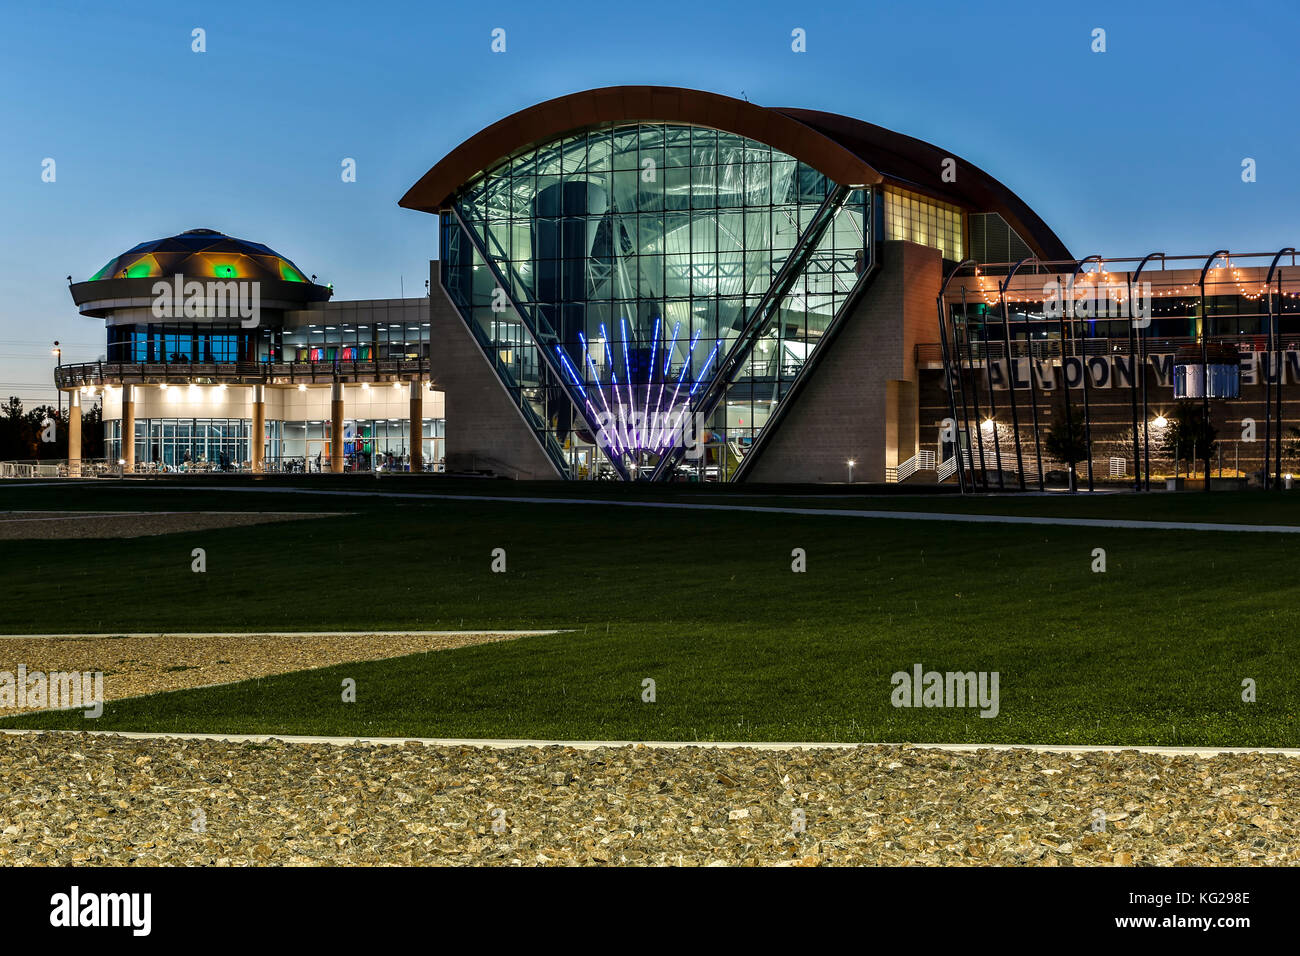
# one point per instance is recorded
(975, 391)
(948, 372)
(1281, 372)
(965, 379)
(1011, 375)
(1205, 364)
(1083, 366)
(1141, 370)
(993, 406)
(1065, 387)
(1273, 356)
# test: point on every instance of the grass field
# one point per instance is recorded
(1153, 651)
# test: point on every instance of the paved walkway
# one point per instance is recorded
(772, 509)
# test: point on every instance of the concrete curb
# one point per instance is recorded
(112, 634)
(507, 744)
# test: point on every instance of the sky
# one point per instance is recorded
(1123, 152)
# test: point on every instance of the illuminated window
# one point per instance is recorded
(915, 218)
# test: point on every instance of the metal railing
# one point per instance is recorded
(236, 373)
(948, 467)
(283, 465)
(923, 460)
(30, 469)
(58, 468)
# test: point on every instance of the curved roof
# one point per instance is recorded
(848, 151)
(916, 164)
(201, 254)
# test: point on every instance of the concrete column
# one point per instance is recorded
(257, 440)
(901, 421)
(74, 433)
(128, 429)
(336, 428)
(416, 390)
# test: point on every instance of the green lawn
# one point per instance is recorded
(1151, 652)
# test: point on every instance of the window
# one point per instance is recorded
(915, 218)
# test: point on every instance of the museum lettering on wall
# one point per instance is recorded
(1117, 371)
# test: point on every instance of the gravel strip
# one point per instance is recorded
(147, 664)
(104, 800)
(52, 525)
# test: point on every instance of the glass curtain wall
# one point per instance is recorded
(382, 443)
(346, 343)
(635, 255)
(184, 444)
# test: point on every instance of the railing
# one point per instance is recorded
(922, 461)
(237, 373)
(88, 468)
(948, 467)
(25, 469)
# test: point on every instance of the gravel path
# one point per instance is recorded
(149, 663)
(67, 799)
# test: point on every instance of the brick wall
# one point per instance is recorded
(485, 431)
(843, 410)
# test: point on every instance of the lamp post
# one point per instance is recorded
(58, 363)
(851, 463)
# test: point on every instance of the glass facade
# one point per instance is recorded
(179, 342)
(346, 342)
(928, 222)
(222, 444)
(184, 443)
(624, 279)
(382, 443)
(208, 342)
(993, 240)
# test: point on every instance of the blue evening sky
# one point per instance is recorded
(1122, 153)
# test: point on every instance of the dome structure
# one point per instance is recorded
(127, 281)
(201, 254)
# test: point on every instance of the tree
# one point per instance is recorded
(1066, 440)
(1189, 437)
(92, 432)
(42, 421)
(21, 432)
(11, 429)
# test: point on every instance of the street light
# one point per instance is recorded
(851, 463)
(58, 363)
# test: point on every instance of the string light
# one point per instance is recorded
(1093, 285)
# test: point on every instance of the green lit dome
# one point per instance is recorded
(201, 254)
